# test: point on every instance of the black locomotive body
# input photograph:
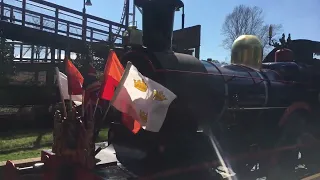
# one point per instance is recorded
(234, 106)
(215, 95)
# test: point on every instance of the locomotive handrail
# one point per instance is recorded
(104, 33)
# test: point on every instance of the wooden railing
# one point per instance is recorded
(46, 16)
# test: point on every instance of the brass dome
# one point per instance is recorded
(247, 50)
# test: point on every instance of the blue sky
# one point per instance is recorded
(300, 18)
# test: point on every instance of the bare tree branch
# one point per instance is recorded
(247, 20)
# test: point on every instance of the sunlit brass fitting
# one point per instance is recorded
(247, 50)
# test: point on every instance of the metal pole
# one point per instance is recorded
(84, 7)
(183, 17)
(84, 29)
(2, 43)
(2, 54)
(134, 15)
(2, 10)
(127, 11)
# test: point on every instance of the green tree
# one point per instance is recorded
(79, 60)
(88, 57)
(224, 63)
(216, 61)
(6, 59)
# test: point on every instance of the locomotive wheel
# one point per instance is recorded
(296, 132)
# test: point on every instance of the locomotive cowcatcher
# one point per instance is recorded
(223, 112)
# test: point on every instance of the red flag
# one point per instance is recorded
(133, 125)
(75, 79)
(112, 74)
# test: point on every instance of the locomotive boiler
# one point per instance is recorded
(245, 105)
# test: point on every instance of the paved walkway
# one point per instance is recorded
(21, 161)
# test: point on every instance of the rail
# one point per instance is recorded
(46, 16)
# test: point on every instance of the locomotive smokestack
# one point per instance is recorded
(157, 22)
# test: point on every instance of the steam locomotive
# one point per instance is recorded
(220, 109)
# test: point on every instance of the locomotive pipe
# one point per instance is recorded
(157, 20)
(127, 13)
(183, 18)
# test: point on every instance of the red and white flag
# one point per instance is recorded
(113, 72)
(142, 98)
(62, 82)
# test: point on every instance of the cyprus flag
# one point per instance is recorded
(142, 98)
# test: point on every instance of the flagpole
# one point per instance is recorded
(95, 108)
(105, 114)
(117, 90)
(70, 104)
(60, 91)
(83, 108)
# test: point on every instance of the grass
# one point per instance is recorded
(28, 144)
